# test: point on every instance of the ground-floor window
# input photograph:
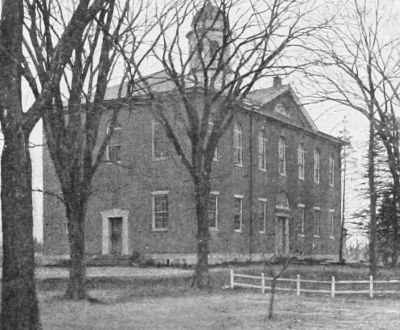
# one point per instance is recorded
(238, 213)
(317, 222)
(331, 223)
(213, 210)
(262, 215)
(160, 210)
(301, 217)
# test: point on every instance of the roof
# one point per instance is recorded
(161, 82)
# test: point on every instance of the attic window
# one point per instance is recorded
(281, 109)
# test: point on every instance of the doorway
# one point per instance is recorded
(116, 235)
(282, 235)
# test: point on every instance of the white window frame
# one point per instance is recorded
(216, 195)
(153, 223)
(238, 197)
(316, 224)
(237, 149)
(331, 219)
(317, 166)
(301, 161)
(302, 218)
(331, 171)
(282, 156)
(262, 150)
(118, 130)
(153, 128)
(263, 201)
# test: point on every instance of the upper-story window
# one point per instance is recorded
(300, 161)
(237, 144)
(282, 156)
(317, 166)
(160, 141)
(331, 170)
(113, 152)
(262, 150)
(210, 128)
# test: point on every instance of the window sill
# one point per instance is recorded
(213, 229)
(301, 235)
(263, 170)
(332, 185)
(238, 165)
(332, 237)
(261, 231)
(301, 179)
(282, 174)
(237, 230)
(159, 229)
(316, 236)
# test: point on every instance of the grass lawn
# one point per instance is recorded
(169, 303)
(230, 310)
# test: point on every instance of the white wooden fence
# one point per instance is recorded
(330, 284)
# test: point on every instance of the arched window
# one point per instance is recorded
(262, 150)
(237, 144)
(300, 161)
(282, 202)
(160, 141)
(317, 166)
(282, 156)
(331, 170)
(113, 151)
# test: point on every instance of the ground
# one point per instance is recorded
(228, 310)
(161, 298)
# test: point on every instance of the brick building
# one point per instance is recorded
(276, 187)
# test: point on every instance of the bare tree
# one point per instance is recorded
(19, 307)
(232, 47)
(358, 69)
(79, 104)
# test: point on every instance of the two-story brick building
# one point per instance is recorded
(276, 187)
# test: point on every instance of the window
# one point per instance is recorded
(262, 151)
(238, 213)
(331, 171)
(237, 144)
(282, 156)
(113, 152)
(214, 49)
(210, 128)
(160, 141)
(317, 166)
(213, 210)
(331, 223)
(301, 208)
(262, 215)
(160, 210)
(300, 160)
(317, 222)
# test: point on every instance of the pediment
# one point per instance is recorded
(282, 104)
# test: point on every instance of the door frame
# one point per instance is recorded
(106, 232)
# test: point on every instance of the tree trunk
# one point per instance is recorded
(76, 214)
(201, 277)
(372, 195)
(271, 299)
(19, 307)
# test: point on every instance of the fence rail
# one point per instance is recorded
(299, 289)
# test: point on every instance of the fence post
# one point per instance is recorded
(333, 287)
(262, 283)
(371, 286)
(232, 280)
(298, 285)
